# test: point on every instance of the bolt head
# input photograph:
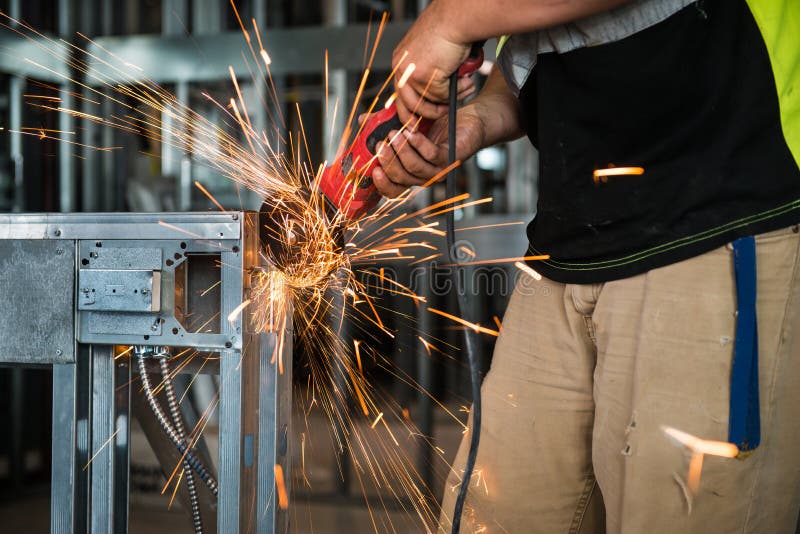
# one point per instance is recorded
(59, 251)
(57, 232)
(59, 352)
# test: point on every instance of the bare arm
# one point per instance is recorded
(502, 17)
(498, 109)
(440, 39)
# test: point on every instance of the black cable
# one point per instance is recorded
(469, 348)
(180, 429)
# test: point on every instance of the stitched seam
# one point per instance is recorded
(590, 330)
(672, 245)
(583, 505)
(781, 344)
(573, 297)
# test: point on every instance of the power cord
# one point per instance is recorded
(469, 345)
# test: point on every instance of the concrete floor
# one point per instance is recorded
(31, 516)
(318, 509)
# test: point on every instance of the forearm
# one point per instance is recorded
(502, 17)
(498, 110)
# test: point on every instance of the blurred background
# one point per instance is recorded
(186, 46)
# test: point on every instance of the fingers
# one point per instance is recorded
(419, 105)
(418, 169)
(394, 168)
(417, 144)
(385, 186)
(408, 159)
(466, 87)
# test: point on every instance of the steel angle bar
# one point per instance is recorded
(213, 227)
(110, 428)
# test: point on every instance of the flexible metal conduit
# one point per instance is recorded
(141, 353)
(177, 420)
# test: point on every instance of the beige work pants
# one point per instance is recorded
(584, 377)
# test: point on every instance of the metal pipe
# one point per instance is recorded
(15, 90)
(66, 122)
(335, 16)
(174, 17)
(184, 182)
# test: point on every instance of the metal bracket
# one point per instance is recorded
(119, 290)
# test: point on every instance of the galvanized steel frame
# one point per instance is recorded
(91, 411)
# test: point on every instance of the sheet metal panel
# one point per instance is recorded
(37, 284)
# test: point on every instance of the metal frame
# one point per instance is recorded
(91, 403)
(205, 57)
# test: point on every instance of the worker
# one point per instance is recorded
(671, 298)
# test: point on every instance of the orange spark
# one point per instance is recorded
(499, 324)
(474, 326)
(487, 226)
(601, 175)
(237, 311)
(377, 419)
(406, 75)
(425, 344)
(390, 101)
(210, 197)
(175, 491)
(460, 206)
(356, 344)
(280, 483)
(467, 251)
(525, 268)
(507, 260)
(698, 448)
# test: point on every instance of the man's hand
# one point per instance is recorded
(435, 57)
(411, 158)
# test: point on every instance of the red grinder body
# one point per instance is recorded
(347, 183)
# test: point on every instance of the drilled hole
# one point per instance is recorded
(183, 245)
(84, 261)
(175, 331)
(235, 249)
(169, 263)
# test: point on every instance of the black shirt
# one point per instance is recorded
(693, 101)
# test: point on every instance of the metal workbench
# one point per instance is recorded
(77, 287)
